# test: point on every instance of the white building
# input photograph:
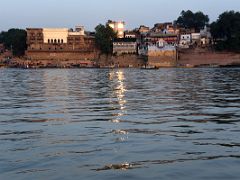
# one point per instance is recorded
(196, 36)
(205, 36)
(159, 47)
(125, 46)
(185, 40)
(60, 35)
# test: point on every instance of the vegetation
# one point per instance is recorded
(189, 20)
(104, 37)
(15, 40)
(226, 31)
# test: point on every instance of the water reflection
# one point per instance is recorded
(174, 123)
(119, 92)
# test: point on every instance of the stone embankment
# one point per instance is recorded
(207, 58)
(166, 58)
(182, 58)
(123, 61)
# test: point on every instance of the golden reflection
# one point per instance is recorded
(119, 92)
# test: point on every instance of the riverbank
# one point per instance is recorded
(207, 58)
(186, 58)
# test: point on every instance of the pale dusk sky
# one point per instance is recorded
(68, 13)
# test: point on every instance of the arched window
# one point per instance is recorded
(62, 41)
(51, 40)
(48, 41)
(55, 41)
(58, 40)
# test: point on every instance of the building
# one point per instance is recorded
(130, 34)
(2, 48)
(206, 37)
(196, 39)
(59, 43)
(153, 38)
(143, 29)
(118, 27)
(185, 40)
(165, 28)
(125, 46)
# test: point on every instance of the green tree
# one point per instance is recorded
(15, 40)
(104, 38)
(189, 20)
(226, 31)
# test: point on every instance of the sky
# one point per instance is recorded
(90, 13)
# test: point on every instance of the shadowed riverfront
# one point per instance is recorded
(120, 123)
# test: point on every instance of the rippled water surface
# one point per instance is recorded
(120, 124)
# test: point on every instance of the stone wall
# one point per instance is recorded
(165, 58)
(61, 55)
(203, 57)
(121, 61)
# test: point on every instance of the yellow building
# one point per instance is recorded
(118, 27)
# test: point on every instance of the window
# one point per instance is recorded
(48, 41)
(51, 40)
(55, 41)
(62, 41)
(58, 40)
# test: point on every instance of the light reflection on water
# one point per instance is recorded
(122, 123)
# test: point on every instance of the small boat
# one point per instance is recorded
(149, 67)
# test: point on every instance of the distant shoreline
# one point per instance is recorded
(195, 58)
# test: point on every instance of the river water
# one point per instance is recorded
(120, 124)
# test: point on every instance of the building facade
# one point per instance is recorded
(2, 48)
(118, 27)
(125, 46)
(143, 29)
(42, 41)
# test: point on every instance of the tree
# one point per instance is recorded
(226, 31)
(189, 20)
(104, 38)
(14, 39)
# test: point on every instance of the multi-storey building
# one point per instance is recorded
(118, 27)
(165, 28)
(59, 43)
(125, 46)
(143, 29)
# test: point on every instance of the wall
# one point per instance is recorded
(41, 55)
(162, 57)
(206, 57)
(165, 58)
(121, 61)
